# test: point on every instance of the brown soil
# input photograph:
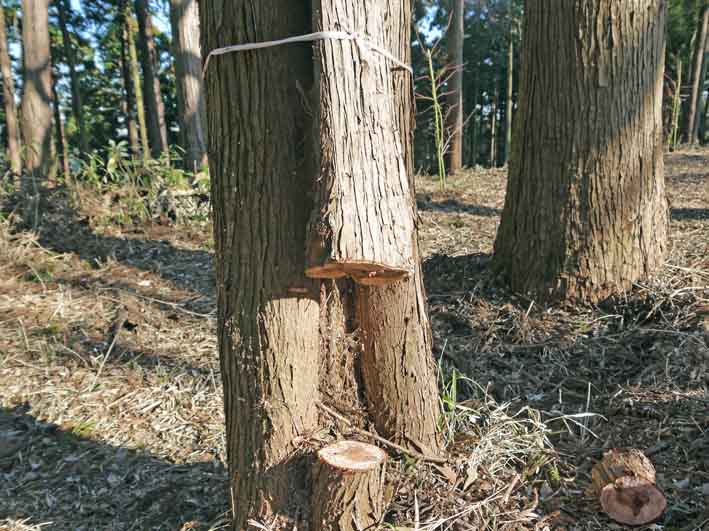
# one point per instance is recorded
(111, 413)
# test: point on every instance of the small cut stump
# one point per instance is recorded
(348, 487)
(625, 483)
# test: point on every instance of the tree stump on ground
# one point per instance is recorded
(348, 487)
(625, 483)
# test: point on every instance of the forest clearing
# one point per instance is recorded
(113, 403)
(346, 265)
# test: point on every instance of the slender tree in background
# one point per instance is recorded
(36, 107)
(273, 324)
(128, 104)
(454, 116)
(493, 129)
(694, 101)
(8, 92)
(64, 10)
(129, 31)
(585, 214)
(509, 104)
(61, 147)
(698, 129)
(184, 17)
(152, 95)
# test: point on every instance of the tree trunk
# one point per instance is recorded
(64, 11)
(273, 327)
(585, 214)
(8, 88)
(399, 374)
(362, 224)
(129, 36)
(129, 101)
(62, 147)
(268, 310)
(37, 89)
(454, 116)
(509, 103)
(154, 106)
(184, 16)
(697, 77)
(493, 130)
(698, 131)
(348, 487)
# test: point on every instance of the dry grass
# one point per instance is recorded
(111, 413)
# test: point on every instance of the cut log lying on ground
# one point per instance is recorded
(348, 485)
(625, 483)
(362, 224)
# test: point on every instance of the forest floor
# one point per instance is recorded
(110, 395)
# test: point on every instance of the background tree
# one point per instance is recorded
(65, 12)
(585, 213)
(152, 91)
(184, 17)
(8, 86)
(455, 91)
(36, 107)
(695, 96)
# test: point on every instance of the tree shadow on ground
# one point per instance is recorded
(686, 214)
(426, 204)
(59, 475)
(63, 229)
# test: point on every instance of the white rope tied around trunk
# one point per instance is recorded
(364, 45)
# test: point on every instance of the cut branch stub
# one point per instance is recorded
(362, 225)
(625, 483)
(348, 488)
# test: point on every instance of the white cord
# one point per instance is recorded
(310, 37)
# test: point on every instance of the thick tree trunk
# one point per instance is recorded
(693, 103)
(154, 106)
(128, 104)
(273, 334)
(362, 225)
(184, 16)
(348, 487)
(129, 36)
(262, 177)
(8, 92)
(585, 214)
(64, 11)
(36, 105)
(399, 373)
(456, 60)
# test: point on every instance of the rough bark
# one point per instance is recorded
(64, 11)
(262, 173)
(585, 214)
(128, 104)
(625, 483)
(399, 374)
(8, 92)
(36, 106)
(152, 95)
(693, 103)
(184, 17)
(348, 487)
(362, 224)
(454, 117)
(129, 36)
